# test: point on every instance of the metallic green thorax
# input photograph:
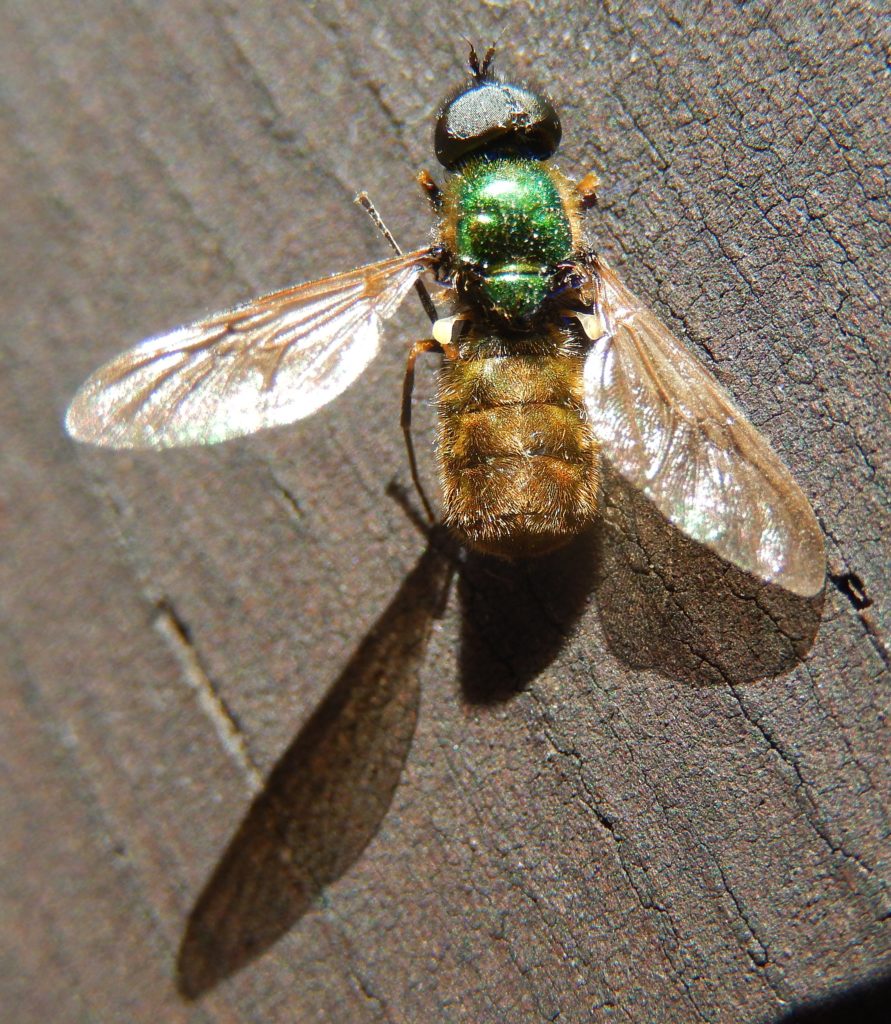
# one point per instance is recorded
(511, 232)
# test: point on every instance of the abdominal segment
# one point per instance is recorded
(520, 467)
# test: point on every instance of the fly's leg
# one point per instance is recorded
(408, 384)
(579, 275)
(448, 350)
(367, 205)
(575, 274)
(587, 190)
(418, 349)
(431, 190)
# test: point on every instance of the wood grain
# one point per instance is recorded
(639, 787)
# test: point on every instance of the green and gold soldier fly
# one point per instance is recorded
(549, 363)
(519, 463)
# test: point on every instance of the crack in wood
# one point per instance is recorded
(178, 637)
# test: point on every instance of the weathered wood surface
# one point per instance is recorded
(639, 788)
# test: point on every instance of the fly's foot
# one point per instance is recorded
(430, 189)
(587, 190)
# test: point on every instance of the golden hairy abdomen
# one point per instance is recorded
(520, 467)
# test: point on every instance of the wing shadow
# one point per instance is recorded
(327, 795)
(669, 604)
(665, 603)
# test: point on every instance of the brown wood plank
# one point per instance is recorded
(639, 787)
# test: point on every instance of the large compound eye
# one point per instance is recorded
(492, 114)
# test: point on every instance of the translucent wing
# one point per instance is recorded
(262, 364)
(672, 431)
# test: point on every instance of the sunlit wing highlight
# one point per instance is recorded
(671, 430)
(262, 364)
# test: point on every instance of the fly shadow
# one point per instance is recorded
(327, 795)
(665, 603)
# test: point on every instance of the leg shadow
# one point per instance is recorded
(669, 604)
(326, 797)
